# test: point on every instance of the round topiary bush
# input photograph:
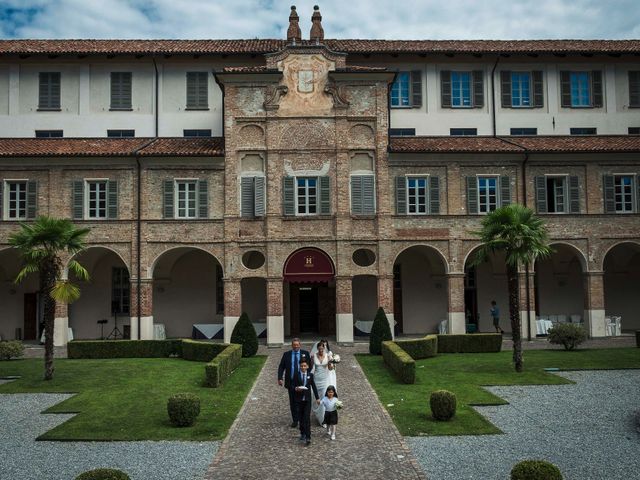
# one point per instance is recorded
(535, 470)
(244, 334)
(103, 474)
(567, 334)
(443, 404)
(380, 332)
(183, 409)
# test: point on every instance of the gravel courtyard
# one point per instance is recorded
(23, 458)
(585, 429)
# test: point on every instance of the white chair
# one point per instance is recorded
(609, 326)
(443, 327)
(576, 319)
(553, 318)
(563, 319)
(617, 325)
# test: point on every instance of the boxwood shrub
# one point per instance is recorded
(421, 347)
(637, 338)
(201, 351)
(470, 343)
(245, 334)
(380, 332)
(221, 367)
(399, 361)
(443, 404)
(124, 348)
(11, 349)
(103, 474)
(535, 470)
(183, 409)
(567, 334)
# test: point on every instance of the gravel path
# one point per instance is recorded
(262, 445)
(23, 458)
(585, 429)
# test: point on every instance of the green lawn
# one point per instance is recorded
(126, 399)
(465, 374)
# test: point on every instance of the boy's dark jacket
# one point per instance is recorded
(305, 395)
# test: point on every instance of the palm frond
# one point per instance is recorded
(25, 271)
(79, 271)
(65, 291)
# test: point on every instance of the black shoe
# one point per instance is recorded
(302, 437)
(294, 424)
(308, 442)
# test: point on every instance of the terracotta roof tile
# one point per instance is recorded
(576, 144)
(450, 145)
(110, 147)
(192, 47)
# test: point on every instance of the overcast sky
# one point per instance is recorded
(391, 19)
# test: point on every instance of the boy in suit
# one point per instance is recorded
(303, 384)
(289, 367)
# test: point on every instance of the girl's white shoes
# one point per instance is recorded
(333, 436)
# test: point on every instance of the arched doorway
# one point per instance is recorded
(484, 283)
(106, 296)
(364, 291)
(187, 290)
(622, 284)
(420, 290)
(559, 284)
(20, 304)
(310, 292)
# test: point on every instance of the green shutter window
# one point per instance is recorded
(32, 199)
(197, 90)
(259, 200)
(574, 194)
(634, 88)
(505, 191)
(1, 202)
(112, 199)
(538, 89)
(434, 195)
(472, 195)
(541, 194)
(325, 195)
(596, 85)
(368, 195)
(637, 193)
(247, 197)
(203, 198)
(356, 195)
(78, 199)
(505, 84)
(49, 91)
(167, 199)
(288, 196)
(121, 90)
(565, 89)
(609, 191)
(478, 89)
(401, 195)
(445, 88)
(416, 89)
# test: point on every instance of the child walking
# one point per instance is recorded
(331, 405)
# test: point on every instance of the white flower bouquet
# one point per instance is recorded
(338, 404)
(335, 359)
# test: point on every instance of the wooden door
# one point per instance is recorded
(326, 309)
(30, 331)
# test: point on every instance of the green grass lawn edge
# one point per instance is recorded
(467, 374)
(125, 399)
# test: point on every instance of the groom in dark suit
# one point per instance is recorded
(289, 367)
(303, 384)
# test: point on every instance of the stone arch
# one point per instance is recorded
(430, 247)
(614, 245)
(90, 249)
(584, 263)
(621, 283)
(186, 248)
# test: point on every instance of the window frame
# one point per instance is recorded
(122, 290)
(409, 90)
(209, 135)
(496, 178)
(402, 132)
(552, 194)
(50, 107)
(87, 198)
(176, 198)
(6, 200)
(113, 108)
(573, 74)
(511, 129)
(198, 105)
(469, 74)
(425, 178)
(574, 131)
(317, 196)
(49, 133)
(632, 186)
(520, 73)
(464, 132)
(111, 132)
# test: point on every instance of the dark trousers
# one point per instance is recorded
(304, 417)
(292, 404)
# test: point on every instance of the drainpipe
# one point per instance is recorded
(155, 67)
(389, 87)
(493, 96)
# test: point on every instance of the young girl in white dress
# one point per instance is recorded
(324, 375)
(329, 402)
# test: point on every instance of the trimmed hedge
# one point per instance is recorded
(535, 470)
(421, 347)
(443, 405)
(103, 474)
(221, 367)
(11, 349)
(637, 338)
(380, 332)
(399, 361)
(245, 335)
(201, 351)
(124, 348)
(183, 409)
(471, 343)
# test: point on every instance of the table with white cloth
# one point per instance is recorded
(159, 331)
(542, 326)
(69, 333)
(260, 328)
(207, 331)
(362, 327)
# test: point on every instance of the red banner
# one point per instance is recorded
(308, 265)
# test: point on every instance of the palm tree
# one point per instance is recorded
(40, 245)
(522, 236)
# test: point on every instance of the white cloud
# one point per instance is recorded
(426, 19)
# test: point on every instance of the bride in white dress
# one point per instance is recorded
(324, 375)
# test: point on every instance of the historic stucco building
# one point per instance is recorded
(306, 182)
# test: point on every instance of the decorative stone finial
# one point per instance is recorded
(317, 33)
(293, 33)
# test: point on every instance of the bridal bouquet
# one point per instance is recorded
(335, 359)
(338, 404)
